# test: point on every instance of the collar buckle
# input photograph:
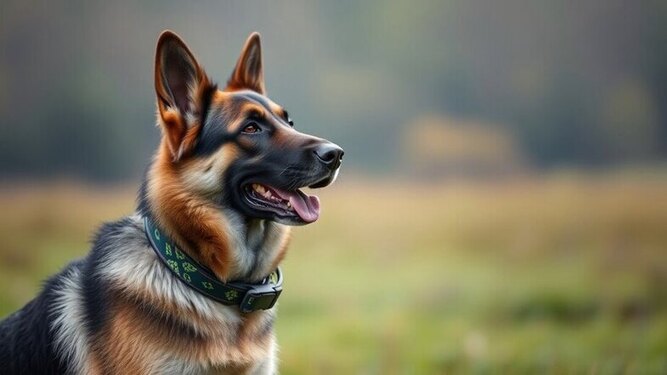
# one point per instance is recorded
(261, 297)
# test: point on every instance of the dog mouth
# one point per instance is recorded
(291, 205)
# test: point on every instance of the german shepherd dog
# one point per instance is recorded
(214, 211)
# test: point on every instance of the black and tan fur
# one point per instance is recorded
(120, 310)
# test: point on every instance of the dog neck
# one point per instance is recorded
(232, 246)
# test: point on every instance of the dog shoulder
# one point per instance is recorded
(27, 336)
(80, 303)
(53, 332)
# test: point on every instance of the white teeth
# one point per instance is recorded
(267, 194)
(259, 188)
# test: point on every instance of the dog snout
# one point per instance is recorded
(329, 154)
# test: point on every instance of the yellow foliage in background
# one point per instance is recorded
(444, 146)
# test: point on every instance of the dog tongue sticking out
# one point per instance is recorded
(306, 206)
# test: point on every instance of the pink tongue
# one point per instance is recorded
(306, 206)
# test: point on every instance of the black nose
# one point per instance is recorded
(329, 154)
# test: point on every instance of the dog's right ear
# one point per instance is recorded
(181, 86)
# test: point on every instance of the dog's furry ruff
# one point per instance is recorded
(91, 309)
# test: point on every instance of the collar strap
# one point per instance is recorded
(248, 296)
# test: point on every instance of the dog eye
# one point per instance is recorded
(251, 128)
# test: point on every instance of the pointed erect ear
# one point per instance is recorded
(248, 73)
(182, 87)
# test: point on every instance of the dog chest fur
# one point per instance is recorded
(120, 310)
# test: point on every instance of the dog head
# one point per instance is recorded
(235, 147)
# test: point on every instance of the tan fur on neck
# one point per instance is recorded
(195, 222)
(192, 221)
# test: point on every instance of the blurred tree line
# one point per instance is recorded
(573, 83)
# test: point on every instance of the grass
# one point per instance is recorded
(557, 274)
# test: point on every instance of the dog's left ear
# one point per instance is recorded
(182, 89)
(248, 73)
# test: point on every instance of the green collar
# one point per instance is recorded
(249, 297)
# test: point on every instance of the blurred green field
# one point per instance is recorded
(556, 274)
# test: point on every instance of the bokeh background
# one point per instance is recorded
(503, 202)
